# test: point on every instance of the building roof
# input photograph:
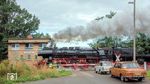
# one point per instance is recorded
(27, 40)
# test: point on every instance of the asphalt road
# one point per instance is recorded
(86, 77)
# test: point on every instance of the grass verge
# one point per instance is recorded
(28, 73)
(148, 74)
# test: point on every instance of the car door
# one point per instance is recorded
(118, 70)
(114, 69)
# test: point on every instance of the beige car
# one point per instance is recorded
(103, 67)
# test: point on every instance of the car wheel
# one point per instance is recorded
(140, 79)
(112, 76)
(122, 78)
(100, 72)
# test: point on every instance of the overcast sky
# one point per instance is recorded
(56, 15)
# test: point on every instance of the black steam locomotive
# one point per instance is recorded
(99, 54)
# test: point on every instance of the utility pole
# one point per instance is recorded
(134, 29)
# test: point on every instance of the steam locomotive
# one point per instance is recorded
(81, 57)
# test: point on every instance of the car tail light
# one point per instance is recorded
(144, 73)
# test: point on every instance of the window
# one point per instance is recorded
(28, 46)
(119, 65)
(101, 52)
(101, 64)
(42, 45)
(29, 56)
(15, 46)
(21, 57)
(116, 65)
(36, 57)
(130, 65)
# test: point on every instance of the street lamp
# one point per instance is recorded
(134, 31)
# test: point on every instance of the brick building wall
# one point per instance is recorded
(25, 49)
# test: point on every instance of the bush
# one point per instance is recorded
(4, 68)
(27, 73)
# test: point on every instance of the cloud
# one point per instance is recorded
(56, 15)
(120, 25)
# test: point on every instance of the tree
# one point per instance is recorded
(143, 43)
(95, 45)
(1, 36)
(106, 42)
(38, 35)
(109, 42)
(3, 48)
(16, 22)
(41, 35)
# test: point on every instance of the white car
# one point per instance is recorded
(103, 67)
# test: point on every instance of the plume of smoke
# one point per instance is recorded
(117, 26)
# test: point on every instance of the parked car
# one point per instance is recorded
(128, 71)
(103, 67)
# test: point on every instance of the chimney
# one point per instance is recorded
(29, 37)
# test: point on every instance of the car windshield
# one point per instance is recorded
(107, 64)
(130, 65)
